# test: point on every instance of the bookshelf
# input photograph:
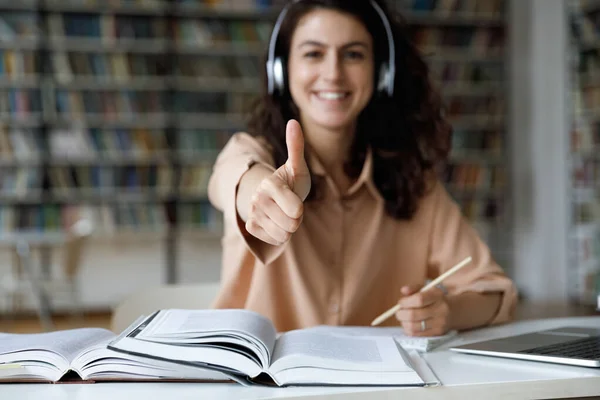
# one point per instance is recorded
(122, 106)
(465, 44)
(584, 274)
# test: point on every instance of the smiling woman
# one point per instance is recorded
(333, 210)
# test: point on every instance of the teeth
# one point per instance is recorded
(331, 95)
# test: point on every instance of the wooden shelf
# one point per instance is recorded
(471, 88)
(224, 49)
(30, 121)
(195, 233)
(475, 192)
(65, 6)
(197, 11)
(93, 45)
(91, 82)
(211, 121)
(24, 82)
(217, 84)
(592, 153)
(196, 157)
(454, 19)
(477, 157)
(477, 122)
(117, 160)
(32, 43)
(25, 162)
(23, 5)
(30, 196)
(458, 54)
(114, 195)
(156, 120)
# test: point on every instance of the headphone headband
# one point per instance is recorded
(273, 44)
(275, 69)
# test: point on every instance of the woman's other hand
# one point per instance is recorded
(423, 313)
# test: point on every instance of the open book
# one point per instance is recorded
(245, 345)
(421, 343)
(82, 354)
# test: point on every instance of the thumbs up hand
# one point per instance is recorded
(277, 208)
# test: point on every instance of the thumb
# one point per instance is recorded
(294, 139)
(295, 170)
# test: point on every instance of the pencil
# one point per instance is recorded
(431, 284)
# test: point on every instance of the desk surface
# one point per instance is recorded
(462, 376)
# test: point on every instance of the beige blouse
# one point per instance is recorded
(348, 260)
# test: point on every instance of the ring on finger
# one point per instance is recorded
(423, 325)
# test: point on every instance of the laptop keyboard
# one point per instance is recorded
(587, 348)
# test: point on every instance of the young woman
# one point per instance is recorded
(333, 212)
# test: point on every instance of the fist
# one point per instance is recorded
(423, 313)
(277, 207)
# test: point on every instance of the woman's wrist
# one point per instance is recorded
(469, 310)
(247, 185)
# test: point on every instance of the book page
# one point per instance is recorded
(304, 348)
(422, 343)
(190, 326)
(67, 344)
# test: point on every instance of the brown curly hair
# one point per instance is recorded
(407, 133)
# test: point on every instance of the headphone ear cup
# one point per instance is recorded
(279, 75)
(384, 80)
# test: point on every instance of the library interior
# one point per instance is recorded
(112, 114)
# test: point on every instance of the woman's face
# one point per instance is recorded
(330, 68)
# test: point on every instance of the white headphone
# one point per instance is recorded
(275, 68)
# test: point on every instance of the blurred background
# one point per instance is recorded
(113, 111)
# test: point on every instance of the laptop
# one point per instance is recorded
(567, 345)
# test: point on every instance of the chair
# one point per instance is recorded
(72, 256)
(148, 300)
(24, 281)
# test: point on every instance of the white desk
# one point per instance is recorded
(463, 377)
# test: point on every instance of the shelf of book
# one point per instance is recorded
(465, 46)
(118, 97)
(584, 237)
